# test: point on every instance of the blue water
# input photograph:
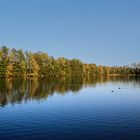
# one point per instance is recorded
(93, 110)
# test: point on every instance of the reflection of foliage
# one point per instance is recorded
(18, 90)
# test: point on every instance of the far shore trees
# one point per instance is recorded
(17, 63)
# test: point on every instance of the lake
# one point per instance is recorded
(70, 108)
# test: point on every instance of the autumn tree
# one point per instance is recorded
(3, 60)
(32, 66)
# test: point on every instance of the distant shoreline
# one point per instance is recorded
(19, 63)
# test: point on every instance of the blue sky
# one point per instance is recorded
(96, 31)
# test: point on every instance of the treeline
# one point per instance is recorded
(17, 63)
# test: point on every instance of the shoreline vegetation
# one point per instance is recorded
(17, 63)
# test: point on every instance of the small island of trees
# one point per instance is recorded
(17, 63)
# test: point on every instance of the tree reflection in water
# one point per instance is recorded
(18, 90)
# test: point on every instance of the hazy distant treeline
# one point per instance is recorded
(17, 63)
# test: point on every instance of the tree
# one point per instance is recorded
(100, 71)
(32, 66)
(3, 60)
(106, 70)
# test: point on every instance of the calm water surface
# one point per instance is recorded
(77, 108)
